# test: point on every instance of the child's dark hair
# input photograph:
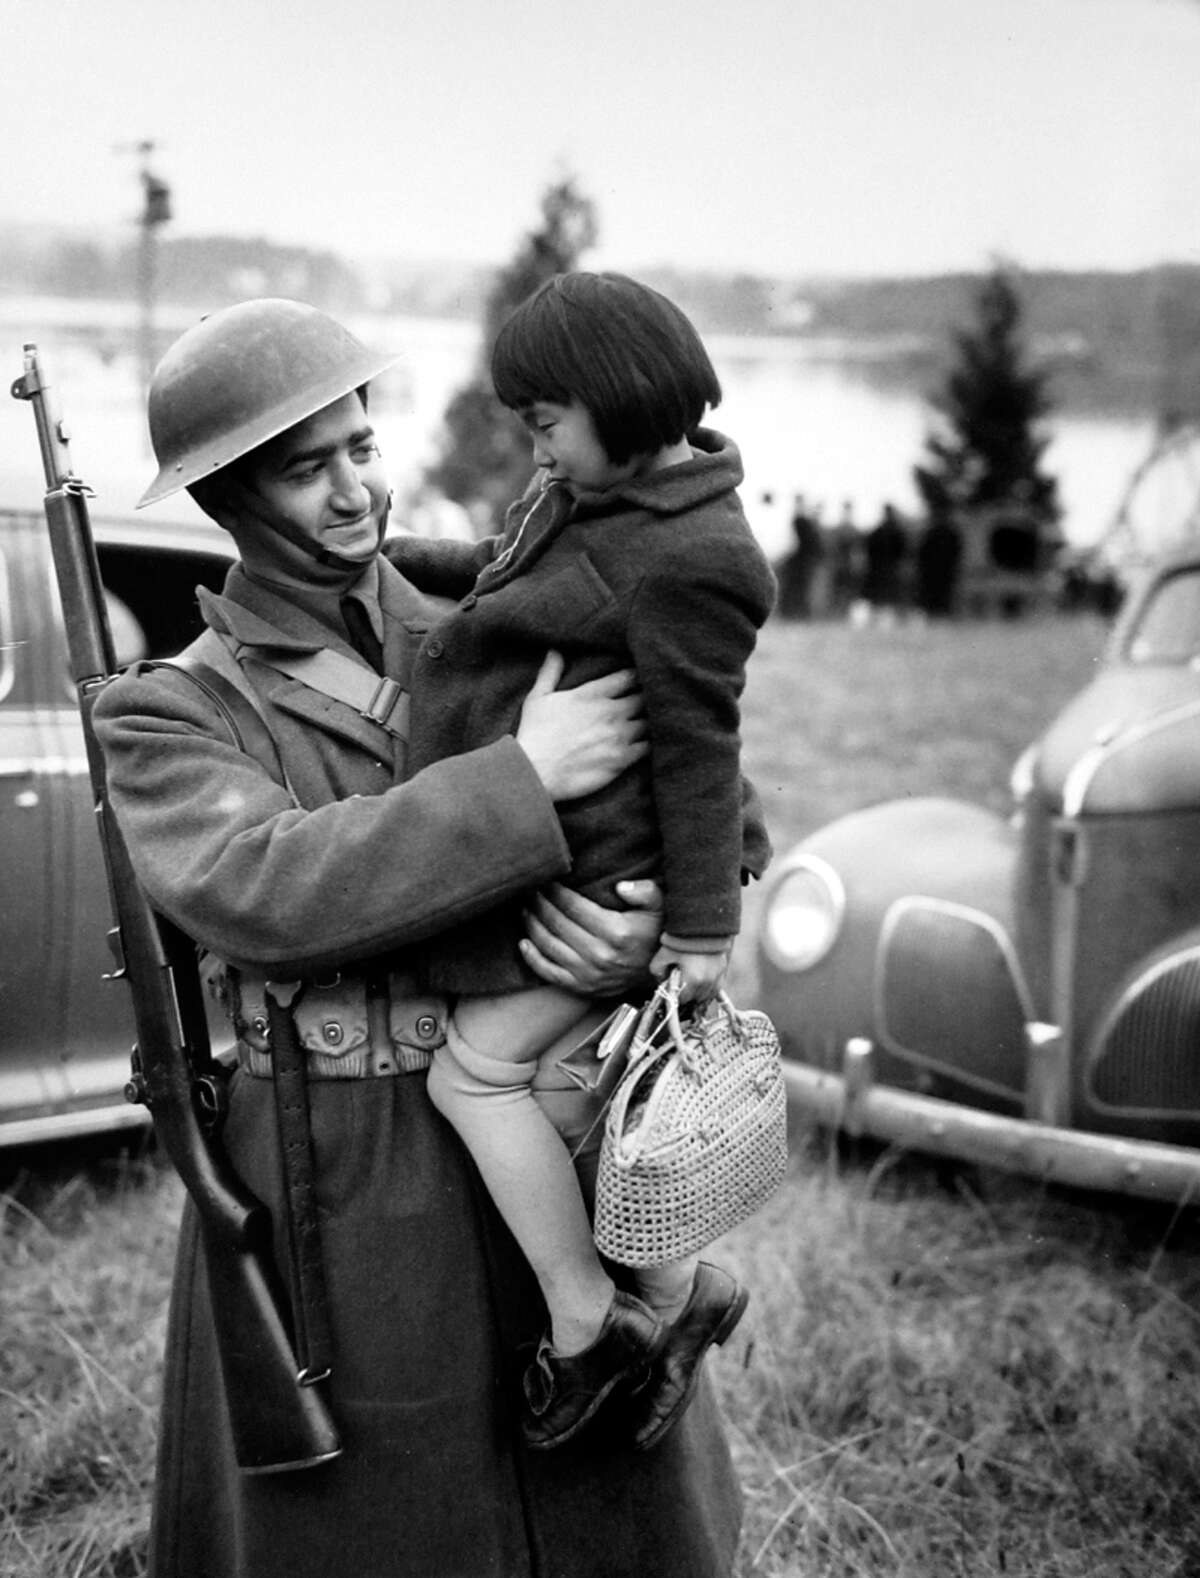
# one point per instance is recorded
(618, 348)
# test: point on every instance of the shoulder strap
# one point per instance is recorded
(209, 664)
(381, 700)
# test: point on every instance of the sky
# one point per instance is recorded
(779, 137)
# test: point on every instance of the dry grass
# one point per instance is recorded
(84, 1260)
(948, 1375)
(943, 1375)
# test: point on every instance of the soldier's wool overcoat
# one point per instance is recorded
(433, 1309)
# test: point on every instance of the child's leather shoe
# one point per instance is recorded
(715, 1306)
(563, 1392)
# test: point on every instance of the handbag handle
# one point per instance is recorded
(645, 1053)
(663, 1010)
(628, 1149)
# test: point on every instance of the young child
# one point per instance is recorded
(630, 550)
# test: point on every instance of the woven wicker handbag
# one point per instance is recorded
(695, 1139)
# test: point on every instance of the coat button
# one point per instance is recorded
(469, 601)
(426, 1027)
(259, 1024)
(434, 649)
(332, 1032)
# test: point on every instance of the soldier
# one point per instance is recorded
(324, 872)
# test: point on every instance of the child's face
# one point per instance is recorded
(565, 443)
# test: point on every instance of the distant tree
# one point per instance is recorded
(987, 450)
(484, 455)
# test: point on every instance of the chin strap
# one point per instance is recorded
(227, 500)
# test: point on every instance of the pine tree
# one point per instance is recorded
(485, 456)
(988, 450)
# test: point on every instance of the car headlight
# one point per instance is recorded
(804, 914)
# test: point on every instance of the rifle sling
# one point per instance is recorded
(233, 699)
(310, 1297)
(310, 1301)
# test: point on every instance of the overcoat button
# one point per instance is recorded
(426, 1027)
(434, 649)
(332, 1033)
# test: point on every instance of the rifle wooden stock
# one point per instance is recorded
(277, 1423)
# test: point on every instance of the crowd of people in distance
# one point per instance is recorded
(874, 574)
(907, 568)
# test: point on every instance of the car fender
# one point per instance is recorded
(943, 851)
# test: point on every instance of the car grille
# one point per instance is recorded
(950, 996)
(1146, 1057)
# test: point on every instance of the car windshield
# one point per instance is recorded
(1169, 628)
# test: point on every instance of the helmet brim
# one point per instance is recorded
(207, 460)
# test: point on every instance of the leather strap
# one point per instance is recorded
(216, 668)
(310, 1297)
(219, 676)
(230, 692)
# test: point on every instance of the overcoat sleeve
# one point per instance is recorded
(225, 852)
(441, 566)
(692, 629)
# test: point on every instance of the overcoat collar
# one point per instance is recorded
(257, 614)
(714, 470)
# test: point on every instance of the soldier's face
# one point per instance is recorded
(327, 477)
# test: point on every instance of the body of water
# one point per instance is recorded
(806, 423)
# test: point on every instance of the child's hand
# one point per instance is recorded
(702, 973)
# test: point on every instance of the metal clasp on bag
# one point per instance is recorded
(595, 1062)
(619, 1034)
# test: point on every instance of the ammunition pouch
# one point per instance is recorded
(351, 1025)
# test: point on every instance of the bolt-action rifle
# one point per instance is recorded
(278, 1423)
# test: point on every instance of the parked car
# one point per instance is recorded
(66, 1034)
(1024, 992)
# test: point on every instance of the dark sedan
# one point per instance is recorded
(65, 1033)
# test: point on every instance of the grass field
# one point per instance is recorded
(943, 1374)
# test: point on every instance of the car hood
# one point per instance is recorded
(1129, 742)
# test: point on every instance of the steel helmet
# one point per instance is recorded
(241, 376)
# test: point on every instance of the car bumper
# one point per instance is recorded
(853, 1102)
(72, 1125)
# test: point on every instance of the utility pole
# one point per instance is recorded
(156, 210)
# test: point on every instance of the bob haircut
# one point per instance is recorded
(624, 352)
